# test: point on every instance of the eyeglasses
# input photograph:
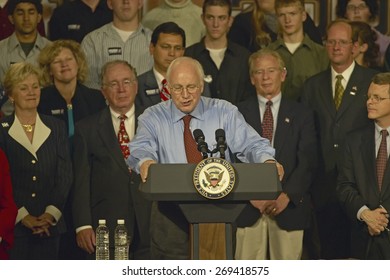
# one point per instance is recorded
(178, 89)
(353, 8)
(341, 43)
(376, 99)
(126, 83)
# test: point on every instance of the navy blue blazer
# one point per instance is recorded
(295, 148)
(333, 125)
(104, 187)
(40, 177)
(358, 185)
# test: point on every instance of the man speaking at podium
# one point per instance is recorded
(164, 135)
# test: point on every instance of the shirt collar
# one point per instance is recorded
(276, 99)
(129, 113)
(197, 113)
(378, 129)
(158, 77)
(346, 74)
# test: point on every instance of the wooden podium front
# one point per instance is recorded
(211, 234)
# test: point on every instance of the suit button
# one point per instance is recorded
(336, 145)
(34, 178)
(33, 161)
(33, 194)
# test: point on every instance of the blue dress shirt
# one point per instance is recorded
(160, 133)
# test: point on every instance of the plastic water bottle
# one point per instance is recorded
(102, 241)
(121, 246)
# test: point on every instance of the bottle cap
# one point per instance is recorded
(121, 222)
(102, 222)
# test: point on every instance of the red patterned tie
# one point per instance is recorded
(123, 137)
(381, 159)
(192, 153)
(164, 93)
(267, 126)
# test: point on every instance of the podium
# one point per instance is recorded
(174, 183)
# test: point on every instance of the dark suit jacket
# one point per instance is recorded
(295, 147)
(148, 91)
(104, 187)
(8, 208)
(42, 180)
(357, 183)
(231, 81)
(332, 126)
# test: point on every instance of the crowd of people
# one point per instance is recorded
(86, 111)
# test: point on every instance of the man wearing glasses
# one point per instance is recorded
(364, 181)
(105, 187)
(338, 97)
(161, 138)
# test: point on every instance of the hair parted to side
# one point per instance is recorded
(382, 79)
(17, 73)
(51, 51)
(190, 62)
(262, 53)
(339, 21)
(113, 63)
(168, 28)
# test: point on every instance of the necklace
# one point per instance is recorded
(28, 127)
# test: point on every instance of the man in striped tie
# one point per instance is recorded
(364, 180)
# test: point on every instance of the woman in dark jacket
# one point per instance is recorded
(41, 171)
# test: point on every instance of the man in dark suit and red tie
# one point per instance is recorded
(105, 187)
(274, 229)
(364, 180)
(338, 98)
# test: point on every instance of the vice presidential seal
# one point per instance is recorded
(214, 178)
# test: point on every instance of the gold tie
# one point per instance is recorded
(339, 90)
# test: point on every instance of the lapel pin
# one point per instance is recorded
(353, 91)
(208, 78)
(4, 124)
(287, 120)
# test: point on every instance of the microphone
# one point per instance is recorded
(202, 145)
(221, 142)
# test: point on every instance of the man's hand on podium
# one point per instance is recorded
(144, 169)
(279, 167)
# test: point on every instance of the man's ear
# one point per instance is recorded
(11, 19)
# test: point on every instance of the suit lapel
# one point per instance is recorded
(327, 93)
(251, 112)
(107, 134)
(41, 133)
(283, 126)
(351, 91)
(151, 84)
(368, 154)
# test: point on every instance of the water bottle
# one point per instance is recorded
(102, 241)
(121, 246)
